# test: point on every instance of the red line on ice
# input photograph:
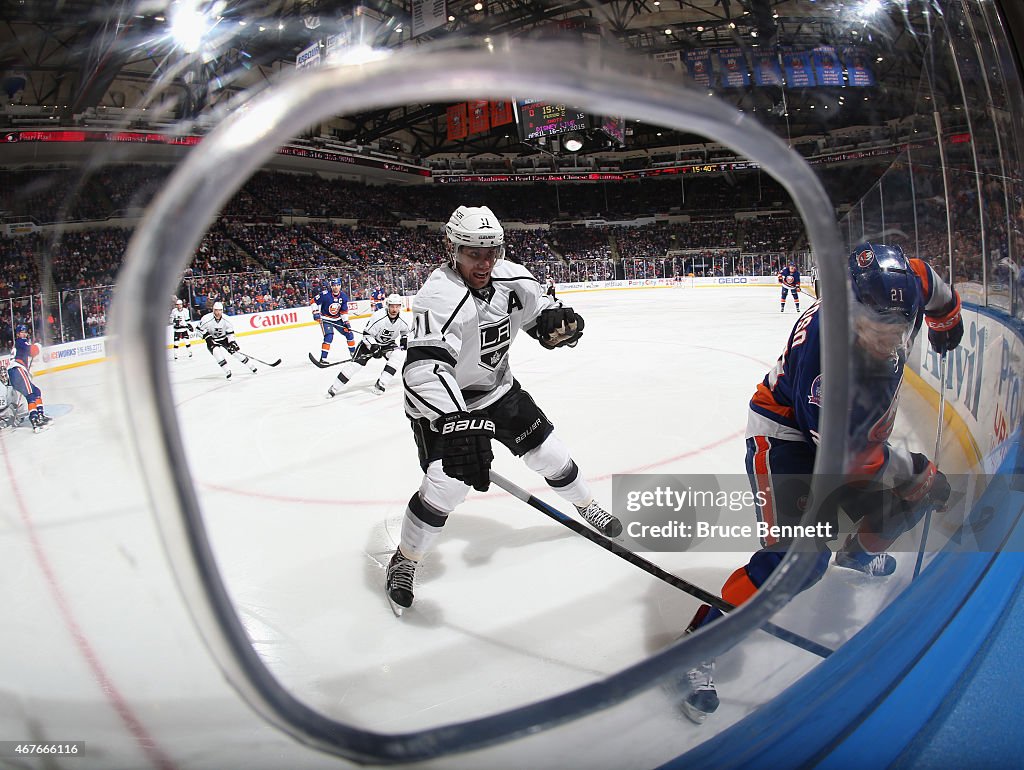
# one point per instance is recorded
(103, 679)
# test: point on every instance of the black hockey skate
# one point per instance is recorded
(853, 556)
(702, 698)
(398, 584)
(600, 519)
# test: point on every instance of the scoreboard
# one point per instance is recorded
(537, 119)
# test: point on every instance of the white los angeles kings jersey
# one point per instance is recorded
(179, 317)
(12, 403)
(458, 354)
(219, 330)
(382, 330)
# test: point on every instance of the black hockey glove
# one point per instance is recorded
(946, 328)
(403, 343)
(232, 346)
(210, 344)
(466, 454)
(929, 486)
(942, 341)
(558, 326)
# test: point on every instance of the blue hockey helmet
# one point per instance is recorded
(888, 303)
(20, 328)
(336, 282)
(883, 281)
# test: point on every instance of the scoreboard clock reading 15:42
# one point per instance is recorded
(538, 119)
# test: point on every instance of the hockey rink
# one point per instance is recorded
(304, 497)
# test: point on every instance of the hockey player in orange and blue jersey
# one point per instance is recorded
(21, 380)
(330, 308)
(378, 298)
(789, 277)
(894, 487)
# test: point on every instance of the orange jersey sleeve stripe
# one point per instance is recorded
(764, 399)
(921, 271)
(738, 588)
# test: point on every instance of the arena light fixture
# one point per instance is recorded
(189, 25)
(573, 142)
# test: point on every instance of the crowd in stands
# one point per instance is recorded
(49, 195)
(259, 256)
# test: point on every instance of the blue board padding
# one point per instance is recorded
(837, 715)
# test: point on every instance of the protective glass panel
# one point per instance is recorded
(263, 514)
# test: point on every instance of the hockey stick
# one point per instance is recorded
(935, 460)
(261, 361)
(323, 365)
(650, 568)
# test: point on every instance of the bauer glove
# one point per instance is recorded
(466, 454)
(558, 326)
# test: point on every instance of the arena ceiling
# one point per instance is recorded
(99, 57)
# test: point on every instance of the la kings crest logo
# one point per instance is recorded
(495, 339)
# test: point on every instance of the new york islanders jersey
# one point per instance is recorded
(790, 278)
(458, 354)
(383, 330)
(22, 351)
(220, 330)
(787, 402)
(331, 307)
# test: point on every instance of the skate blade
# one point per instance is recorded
(696, 716)
(396, 608)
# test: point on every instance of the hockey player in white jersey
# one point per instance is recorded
(13, 406)
(219, 335)
(385, 336)
(460, 392)
(181, 327)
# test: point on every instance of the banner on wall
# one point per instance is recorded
(797, 65)
(428, 15)
(732, 65)
(457, 122)
(767, 71)
(669, 61)
(501, 113)
(858, 73)
(698, 65)
(479, 116)
(827, 68)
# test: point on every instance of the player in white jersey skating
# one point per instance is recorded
(384, 336)
(181, 327)
(220, 336)
(460, 393)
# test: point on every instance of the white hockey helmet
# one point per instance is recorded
(178, 303)
(475, 227)
(393, 299)
(218, 306)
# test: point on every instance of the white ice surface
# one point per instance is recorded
(304, 498)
